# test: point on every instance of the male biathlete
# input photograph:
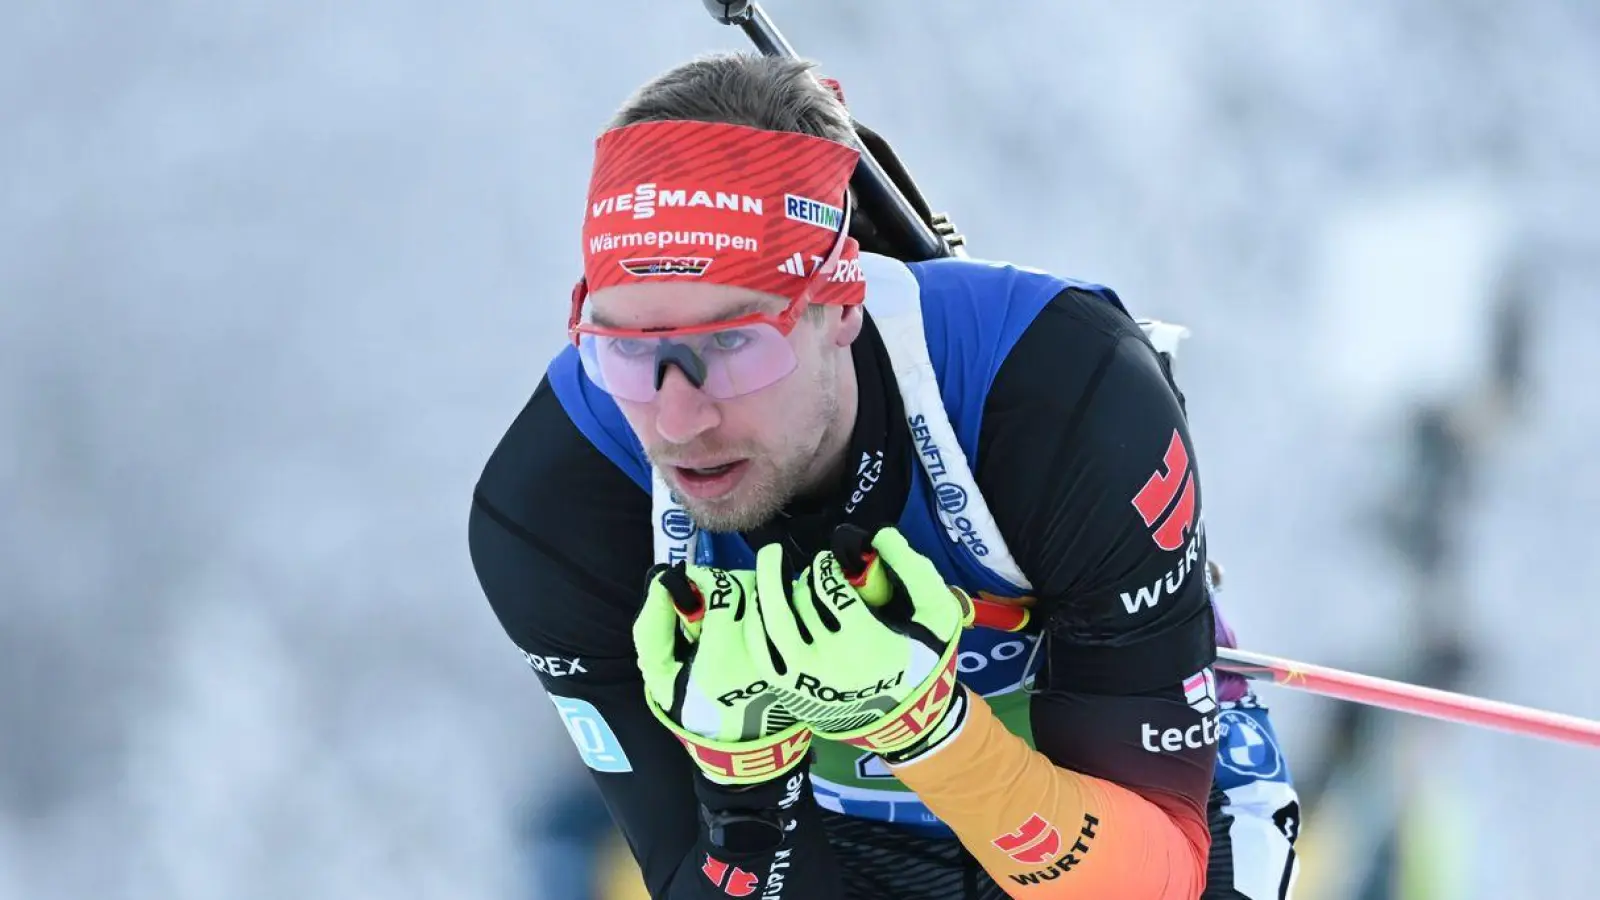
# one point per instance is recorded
(742, 526)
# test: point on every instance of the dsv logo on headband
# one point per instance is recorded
(644, 199)
(646, 266)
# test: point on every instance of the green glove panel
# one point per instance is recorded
(704, 658)
(879, 674)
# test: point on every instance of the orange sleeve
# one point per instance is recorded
(1046, 833)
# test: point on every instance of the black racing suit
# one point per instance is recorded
(1075, 424)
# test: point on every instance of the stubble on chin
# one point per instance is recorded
(753, 503)
(768, 486)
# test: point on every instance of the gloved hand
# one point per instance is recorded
(704, 656)
(868, 660)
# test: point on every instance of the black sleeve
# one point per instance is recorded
(1086, 460)
(560, 539)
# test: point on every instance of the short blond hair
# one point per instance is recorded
(772, 93)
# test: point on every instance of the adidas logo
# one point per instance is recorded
(794, 265)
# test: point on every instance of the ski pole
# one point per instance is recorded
(1368, 690)
(1400, 696)
(891, 212)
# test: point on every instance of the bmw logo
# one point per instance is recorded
(1248, 747)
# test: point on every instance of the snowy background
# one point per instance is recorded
(274, 276)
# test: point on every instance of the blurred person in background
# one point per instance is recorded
(754, 393)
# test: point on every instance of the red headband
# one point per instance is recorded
(724, 204)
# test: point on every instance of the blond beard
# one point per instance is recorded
(764, 493)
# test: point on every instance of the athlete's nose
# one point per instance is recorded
(683, 411)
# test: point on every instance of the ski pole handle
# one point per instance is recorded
(998, 616)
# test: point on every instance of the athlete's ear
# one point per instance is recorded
(849, 327)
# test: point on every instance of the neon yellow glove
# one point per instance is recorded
(699, 640)
(869, 661)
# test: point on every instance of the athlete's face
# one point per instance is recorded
(733, 463)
